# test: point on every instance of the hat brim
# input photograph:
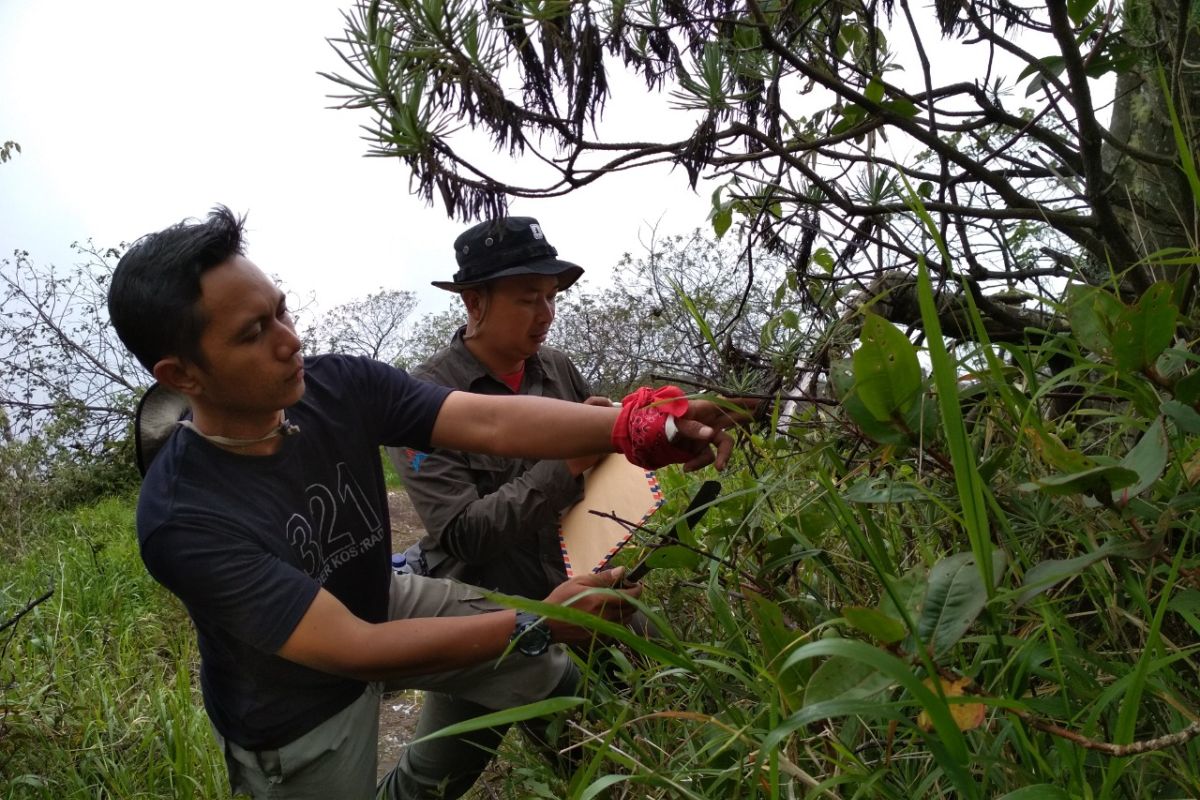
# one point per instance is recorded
(566, 272)
(157, 412)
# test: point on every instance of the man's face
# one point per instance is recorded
(518, 314)
(251, 351)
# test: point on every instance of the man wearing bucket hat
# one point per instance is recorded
(264, 511)
(491, 521)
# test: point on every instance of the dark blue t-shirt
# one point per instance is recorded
(246, 541)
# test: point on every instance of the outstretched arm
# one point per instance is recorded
(538, 427)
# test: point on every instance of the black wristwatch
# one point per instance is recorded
(531, 634)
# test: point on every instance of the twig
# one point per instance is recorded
(32, 605)
(1110, 748)
(703, 553)
(799, 398)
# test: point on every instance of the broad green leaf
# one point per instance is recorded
(1094, 481)
(875, 623)
(1051, 572)
(954, 598)
(824, 259)
(722, 218)
(881, 490)
(1148, 459)
(887, 375)
(901, 107)
(1187, 601)
(1142, 332)
(1187, 388)
(841, 375)
(910, 591)
(1184, 417)
(1092, 313)
(1079, 9)
(874, 91)
(1054, 65)
(844, 679)
(673, 556)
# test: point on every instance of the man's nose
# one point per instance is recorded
(288, 344)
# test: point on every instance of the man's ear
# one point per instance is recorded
(175, 373)
(473, 300)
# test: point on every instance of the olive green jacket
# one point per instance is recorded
(492, 521)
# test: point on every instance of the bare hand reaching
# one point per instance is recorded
(614, 609)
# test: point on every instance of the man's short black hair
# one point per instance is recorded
(153, 298)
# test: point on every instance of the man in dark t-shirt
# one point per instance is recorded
(265, 514)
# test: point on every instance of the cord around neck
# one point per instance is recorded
(284, 428)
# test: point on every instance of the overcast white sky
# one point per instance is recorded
(133, 114)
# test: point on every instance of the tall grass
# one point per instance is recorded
(98, 692)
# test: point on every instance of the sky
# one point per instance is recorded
(135, 114)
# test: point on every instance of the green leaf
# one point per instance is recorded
(875, 623)
(1187, 388)
(1187, 601)
(874, 91)
(954, 598)
(673, 556)
(507, 716)
(1140, 333)
(1148, 459)
(910, 591)
(1105, 479)
(1079, 9)
(1184, 417)
(1050, 65)
(722, 218)
(841, 375)
(824, 259)
(844, 679)
(901, 107)
(887, 375)
(881, 490)
(1047, 574)
(1092, 313)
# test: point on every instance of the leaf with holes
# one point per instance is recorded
(1142, 332)
(1092, 313)
(887, 375)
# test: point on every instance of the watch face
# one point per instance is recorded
(531, 634)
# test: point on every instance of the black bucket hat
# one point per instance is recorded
(504, 247)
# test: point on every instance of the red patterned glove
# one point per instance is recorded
(640, 432)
